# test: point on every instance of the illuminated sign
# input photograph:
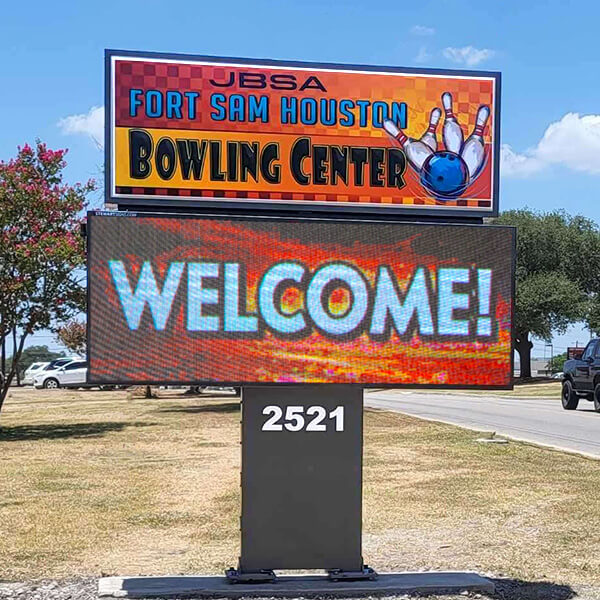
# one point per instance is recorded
(241, 300)
(194, 131)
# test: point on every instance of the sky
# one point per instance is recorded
(53, 87)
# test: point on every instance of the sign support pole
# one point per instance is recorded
(301, 481)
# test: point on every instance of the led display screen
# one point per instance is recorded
(184, 299)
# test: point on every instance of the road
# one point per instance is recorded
(538, 420)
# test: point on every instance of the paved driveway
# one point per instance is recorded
(540, 420)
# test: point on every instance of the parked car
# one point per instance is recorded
(73, 374)
(582, 378)
(557, 376)
(61, 362)
(199, 389)
(31, 371)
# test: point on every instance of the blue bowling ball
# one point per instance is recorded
(445, 175)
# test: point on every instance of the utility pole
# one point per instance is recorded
(551, 363)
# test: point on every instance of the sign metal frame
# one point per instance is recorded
(255, 555)
(263, 205)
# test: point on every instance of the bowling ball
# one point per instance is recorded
(445, 175)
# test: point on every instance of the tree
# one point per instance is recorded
(73, 335)
(556, 363)
(41, 249)
(34, 354)
(592, 314)
(558, 262)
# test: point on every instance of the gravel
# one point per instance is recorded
(73, 589)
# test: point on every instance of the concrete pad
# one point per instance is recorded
(293, 586)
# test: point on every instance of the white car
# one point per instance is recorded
(32, 371)
(73, 374)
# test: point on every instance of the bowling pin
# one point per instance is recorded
(473, 152)
(429, 137)
(451, 133)
(416, 151)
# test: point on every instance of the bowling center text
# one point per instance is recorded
(252, 108)
(309, 164)
(186, 156)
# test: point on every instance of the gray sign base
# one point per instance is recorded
(294, 586)
(301, 480)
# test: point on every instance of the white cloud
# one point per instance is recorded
(573, 142)
(90, 124)
(423, 56)
(513, 164)
(468, 55)
(422, 30)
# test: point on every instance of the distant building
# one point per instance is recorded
(539, 367)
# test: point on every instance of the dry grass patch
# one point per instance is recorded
(545, 389)
(446, 502)
(93, 482)
(525, 390)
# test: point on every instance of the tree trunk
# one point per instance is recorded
(3, 357)
(15, 357)
(523, 346)
(5, 384)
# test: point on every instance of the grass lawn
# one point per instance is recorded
(97, 482)
(545, 389)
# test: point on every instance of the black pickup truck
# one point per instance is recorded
(581, 378)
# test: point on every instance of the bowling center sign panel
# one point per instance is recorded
(211, 132)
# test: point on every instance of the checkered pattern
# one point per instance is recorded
(340, 199)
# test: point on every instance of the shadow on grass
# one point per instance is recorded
(209, 395)
(517, 589)
(53, 431)
(223, 407)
